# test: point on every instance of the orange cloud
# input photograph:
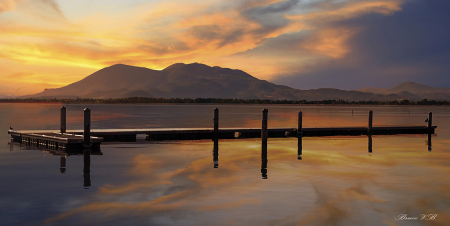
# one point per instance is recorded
(156, 35)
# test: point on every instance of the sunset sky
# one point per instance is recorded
(304, 44)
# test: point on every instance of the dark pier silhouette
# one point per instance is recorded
(92, 138)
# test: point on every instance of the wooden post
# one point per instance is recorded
(299, 136)
(216, 124)
(87, 128)
(63, 120)
(264, 136)
(369, 132)
(430, 122)
(264, 131)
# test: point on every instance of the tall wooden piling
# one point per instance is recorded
(369, 132)
(63, 120)
(87, 128)
(264, 136)
(264, 130)
(300, 135)
(430, 122)
(216, 124)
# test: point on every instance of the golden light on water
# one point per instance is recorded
(337, 181)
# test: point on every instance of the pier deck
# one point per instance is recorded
(74, 137)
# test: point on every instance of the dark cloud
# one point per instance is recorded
(411, 44)
(210, 33)
(206, 32)
(281, 46)
(270, 17)
(231, 38)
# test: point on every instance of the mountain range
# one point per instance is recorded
(202, 81)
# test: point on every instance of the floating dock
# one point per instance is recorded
(52, 140)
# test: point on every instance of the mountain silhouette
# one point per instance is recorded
(412, 91)
(198, 81)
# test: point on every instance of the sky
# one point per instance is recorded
(305, 44)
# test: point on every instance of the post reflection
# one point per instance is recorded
(370, 143)
(62, 163)
(429, 142)
(264, 161)
(87, 168)
(300, 135)
(300, 147)
(216, 153)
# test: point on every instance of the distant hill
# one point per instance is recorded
(412, 91)
(196, 81)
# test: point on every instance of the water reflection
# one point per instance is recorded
(216, 154)
(264, 155)
(264, 160)
(429, 142)
(299, 146)
(62, 167)
(64, 154)
(87, 168)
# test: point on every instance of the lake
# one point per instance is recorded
(337, 182)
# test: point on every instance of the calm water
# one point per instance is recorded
(175, 183)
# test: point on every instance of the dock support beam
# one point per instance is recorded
(264, 130)
(264, 136)
(299, 135)
(63, 120)
(430, 129)
(369, 132)
(216, 124)
(87, 128)
(430, 122)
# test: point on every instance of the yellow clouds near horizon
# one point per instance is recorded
(78, 38)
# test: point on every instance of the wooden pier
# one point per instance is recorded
(94, 137)
(129, 135)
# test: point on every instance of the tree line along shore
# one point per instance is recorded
(146, 100)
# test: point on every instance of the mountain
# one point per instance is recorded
(192, 81)
(412, 91)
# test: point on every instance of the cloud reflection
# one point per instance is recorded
(336, 183)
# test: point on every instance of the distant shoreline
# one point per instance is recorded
(145, 100)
